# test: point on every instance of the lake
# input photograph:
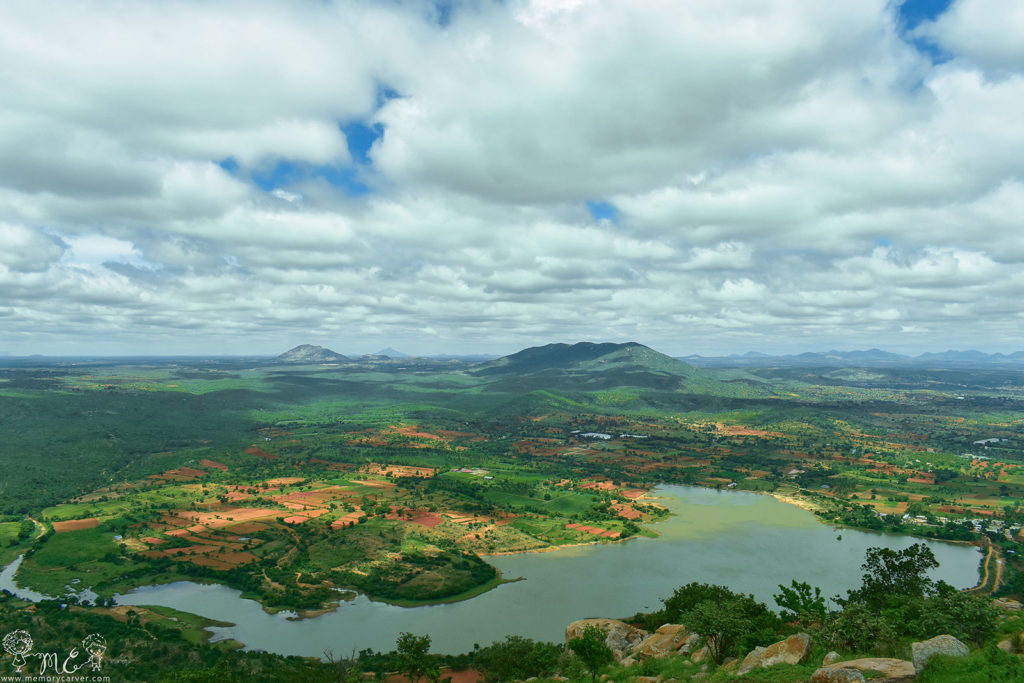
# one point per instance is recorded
(746, 541)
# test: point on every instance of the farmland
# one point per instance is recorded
(300, 483)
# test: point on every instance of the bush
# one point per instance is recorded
(858, 628)
(517, 658)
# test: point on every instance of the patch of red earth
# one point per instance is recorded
(411, 432)
(153, 541)
(296, 519)
(260, 453)
(377, 484)
(591, 530)
(447, 434)
(178, 532)
(610, 534)
(246, 528)
(633, 494)
(599, 485)
(330, 465)
(350, 519)
(75, 525)
(284, 481)
(213, 464)
(430, 521)
(627, 512)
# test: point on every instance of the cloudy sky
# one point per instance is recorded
(707, 176)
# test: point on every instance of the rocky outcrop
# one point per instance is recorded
(700, 655)
(890, 669)
(669, 639)
(1007, 605)
(793, 650)
(831, 658)
(620, 636)
(939, 645)
(840, 675)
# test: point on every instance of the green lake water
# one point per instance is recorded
(746, 541)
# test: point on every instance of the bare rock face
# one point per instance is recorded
(621, 637)
(667, 640)
(890, 669)
(1007, 605)
(700, 655)
(793, 650)
(939, 645)
(838, 675)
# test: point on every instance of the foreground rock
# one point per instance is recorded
(793, 650)
(620, 636)
(669, 639)
(839, 675)
(1007, 605)
(890, 669)
(939, 645)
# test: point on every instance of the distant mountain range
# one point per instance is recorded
(871, 358)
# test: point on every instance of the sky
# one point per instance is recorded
(709, 176)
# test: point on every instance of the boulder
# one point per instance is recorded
(793, 650)
(667, 640)
(939, 645)
(1006, 645)
(700, 655)
(831, 658)
(1007, 605)
(621, 637)
(693, 643)
(890, 669)
(645, 679)
(837, 675)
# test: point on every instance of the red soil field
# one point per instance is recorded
(411, 431)
(429, 520)
(633, 494)
(245, 528)
(75, 524)
(260, 453)
(592, 530)
(213, 464)
(348, 520)
(284, 481)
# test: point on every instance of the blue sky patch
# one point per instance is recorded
(602, 210)
(360, 139)
(286, 172)
(911, 13)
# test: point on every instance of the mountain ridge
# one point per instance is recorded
(308, 353)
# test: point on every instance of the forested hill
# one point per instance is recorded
(594, 366)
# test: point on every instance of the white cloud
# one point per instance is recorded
(784, 170)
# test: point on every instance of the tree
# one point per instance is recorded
(592, 650)
(414, 652)
(721, 622)
(799, 603)
(891, 575)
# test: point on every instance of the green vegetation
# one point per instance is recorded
(398, 479)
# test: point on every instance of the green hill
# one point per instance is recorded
(587, 366)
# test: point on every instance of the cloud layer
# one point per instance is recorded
(199, 177)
